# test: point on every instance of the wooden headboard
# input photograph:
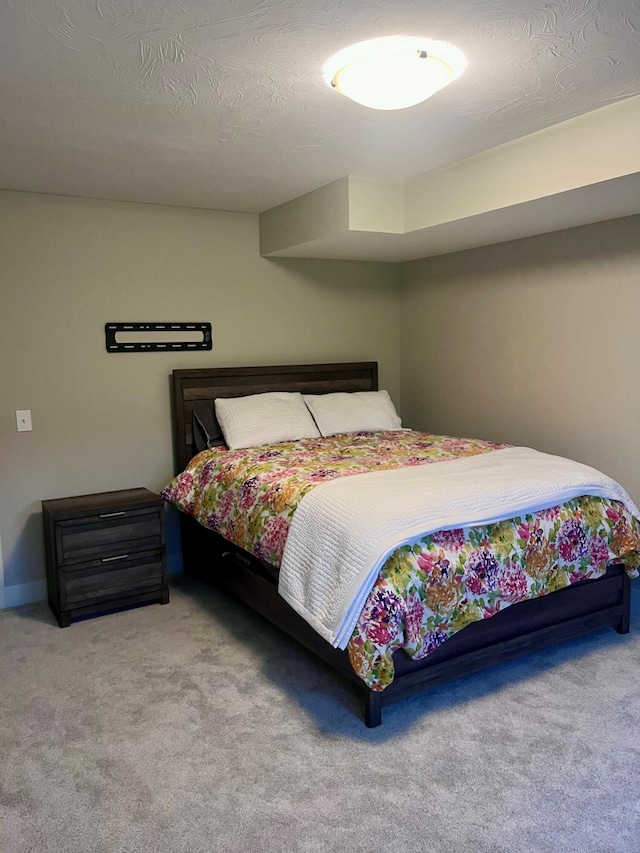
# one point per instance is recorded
(197, 389)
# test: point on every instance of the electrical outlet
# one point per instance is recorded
(23, 420)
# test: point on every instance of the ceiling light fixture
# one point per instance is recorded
(394, 72)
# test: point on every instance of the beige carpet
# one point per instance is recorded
(197, 727)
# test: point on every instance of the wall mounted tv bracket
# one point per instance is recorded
(157, 337)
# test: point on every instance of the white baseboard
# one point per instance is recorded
(21, 593)
(25, 593)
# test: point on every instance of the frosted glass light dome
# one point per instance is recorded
(394, 72)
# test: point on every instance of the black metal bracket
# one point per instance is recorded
(160, 330)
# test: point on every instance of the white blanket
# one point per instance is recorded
(344, 529)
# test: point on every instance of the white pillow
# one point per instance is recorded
(355, 411)
(264, 419)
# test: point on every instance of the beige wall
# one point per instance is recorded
(533, 342)
(101, 421)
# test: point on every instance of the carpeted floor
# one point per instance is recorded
(198, 727)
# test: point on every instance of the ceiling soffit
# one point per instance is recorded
(583, 170)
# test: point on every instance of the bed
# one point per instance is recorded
(534, 624)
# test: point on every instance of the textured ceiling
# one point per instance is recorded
(222, 104)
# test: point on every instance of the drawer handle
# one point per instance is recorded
(111, 514)
(111, 559)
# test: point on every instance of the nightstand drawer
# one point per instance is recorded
(108, 534)
(104, 580)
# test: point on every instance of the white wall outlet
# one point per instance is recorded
(23, 420)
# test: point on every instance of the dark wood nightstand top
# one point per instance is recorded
(102, 502)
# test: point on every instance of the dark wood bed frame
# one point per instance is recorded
(521, 628)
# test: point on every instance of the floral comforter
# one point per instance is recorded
(427, 590)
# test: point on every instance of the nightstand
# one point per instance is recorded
(104, 551)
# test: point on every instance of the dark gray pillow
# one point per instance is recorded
(206, 430)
